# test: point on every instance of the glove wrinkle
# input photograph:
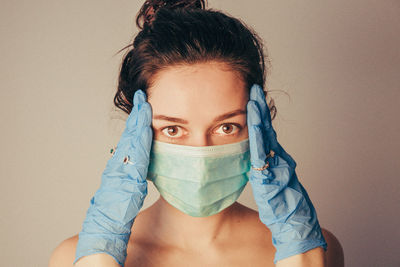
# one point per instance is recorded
(283, 203)
(115, 205)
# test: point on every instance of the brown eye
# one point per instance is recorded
(227, 129)
(172, 131)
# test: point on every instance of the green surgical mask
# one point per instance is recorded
(200, 181)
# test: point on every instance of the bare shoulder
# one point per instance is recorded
(64, 254)
(257, 230)
(334, 254)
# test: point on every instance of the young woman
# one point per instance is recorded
(199, 128)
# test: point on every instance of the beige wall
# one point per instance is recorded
(338, 60)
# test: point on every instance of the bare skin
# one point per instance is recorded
(195, 97)
(250, 243)
(172, 237)
(237, 238)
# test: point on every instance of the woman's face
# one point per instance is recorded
(198, 105)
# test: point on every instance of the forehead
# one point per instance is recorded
(204, 89)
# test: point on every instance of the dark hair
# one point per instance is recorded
(184, 32)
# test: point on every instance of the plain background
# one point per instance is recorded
(339, 61)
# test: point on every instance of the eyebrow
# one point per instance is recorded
(217, 119)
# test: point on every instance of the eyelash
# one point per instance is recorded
(238, 126)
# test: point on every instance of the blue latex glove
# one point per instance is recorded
(123, 188)
(283, 203)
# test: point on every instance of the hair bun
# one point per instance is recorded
(149, 9)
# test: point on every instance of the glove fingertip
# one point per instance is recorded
(257, 146)
(257, 93)
(145, 115)
(139, 97)
(253, 113)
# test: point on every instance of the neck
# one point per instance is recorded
(176, 228)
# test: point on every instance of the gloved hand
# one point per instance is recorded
(283, 203)
(123, 188)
